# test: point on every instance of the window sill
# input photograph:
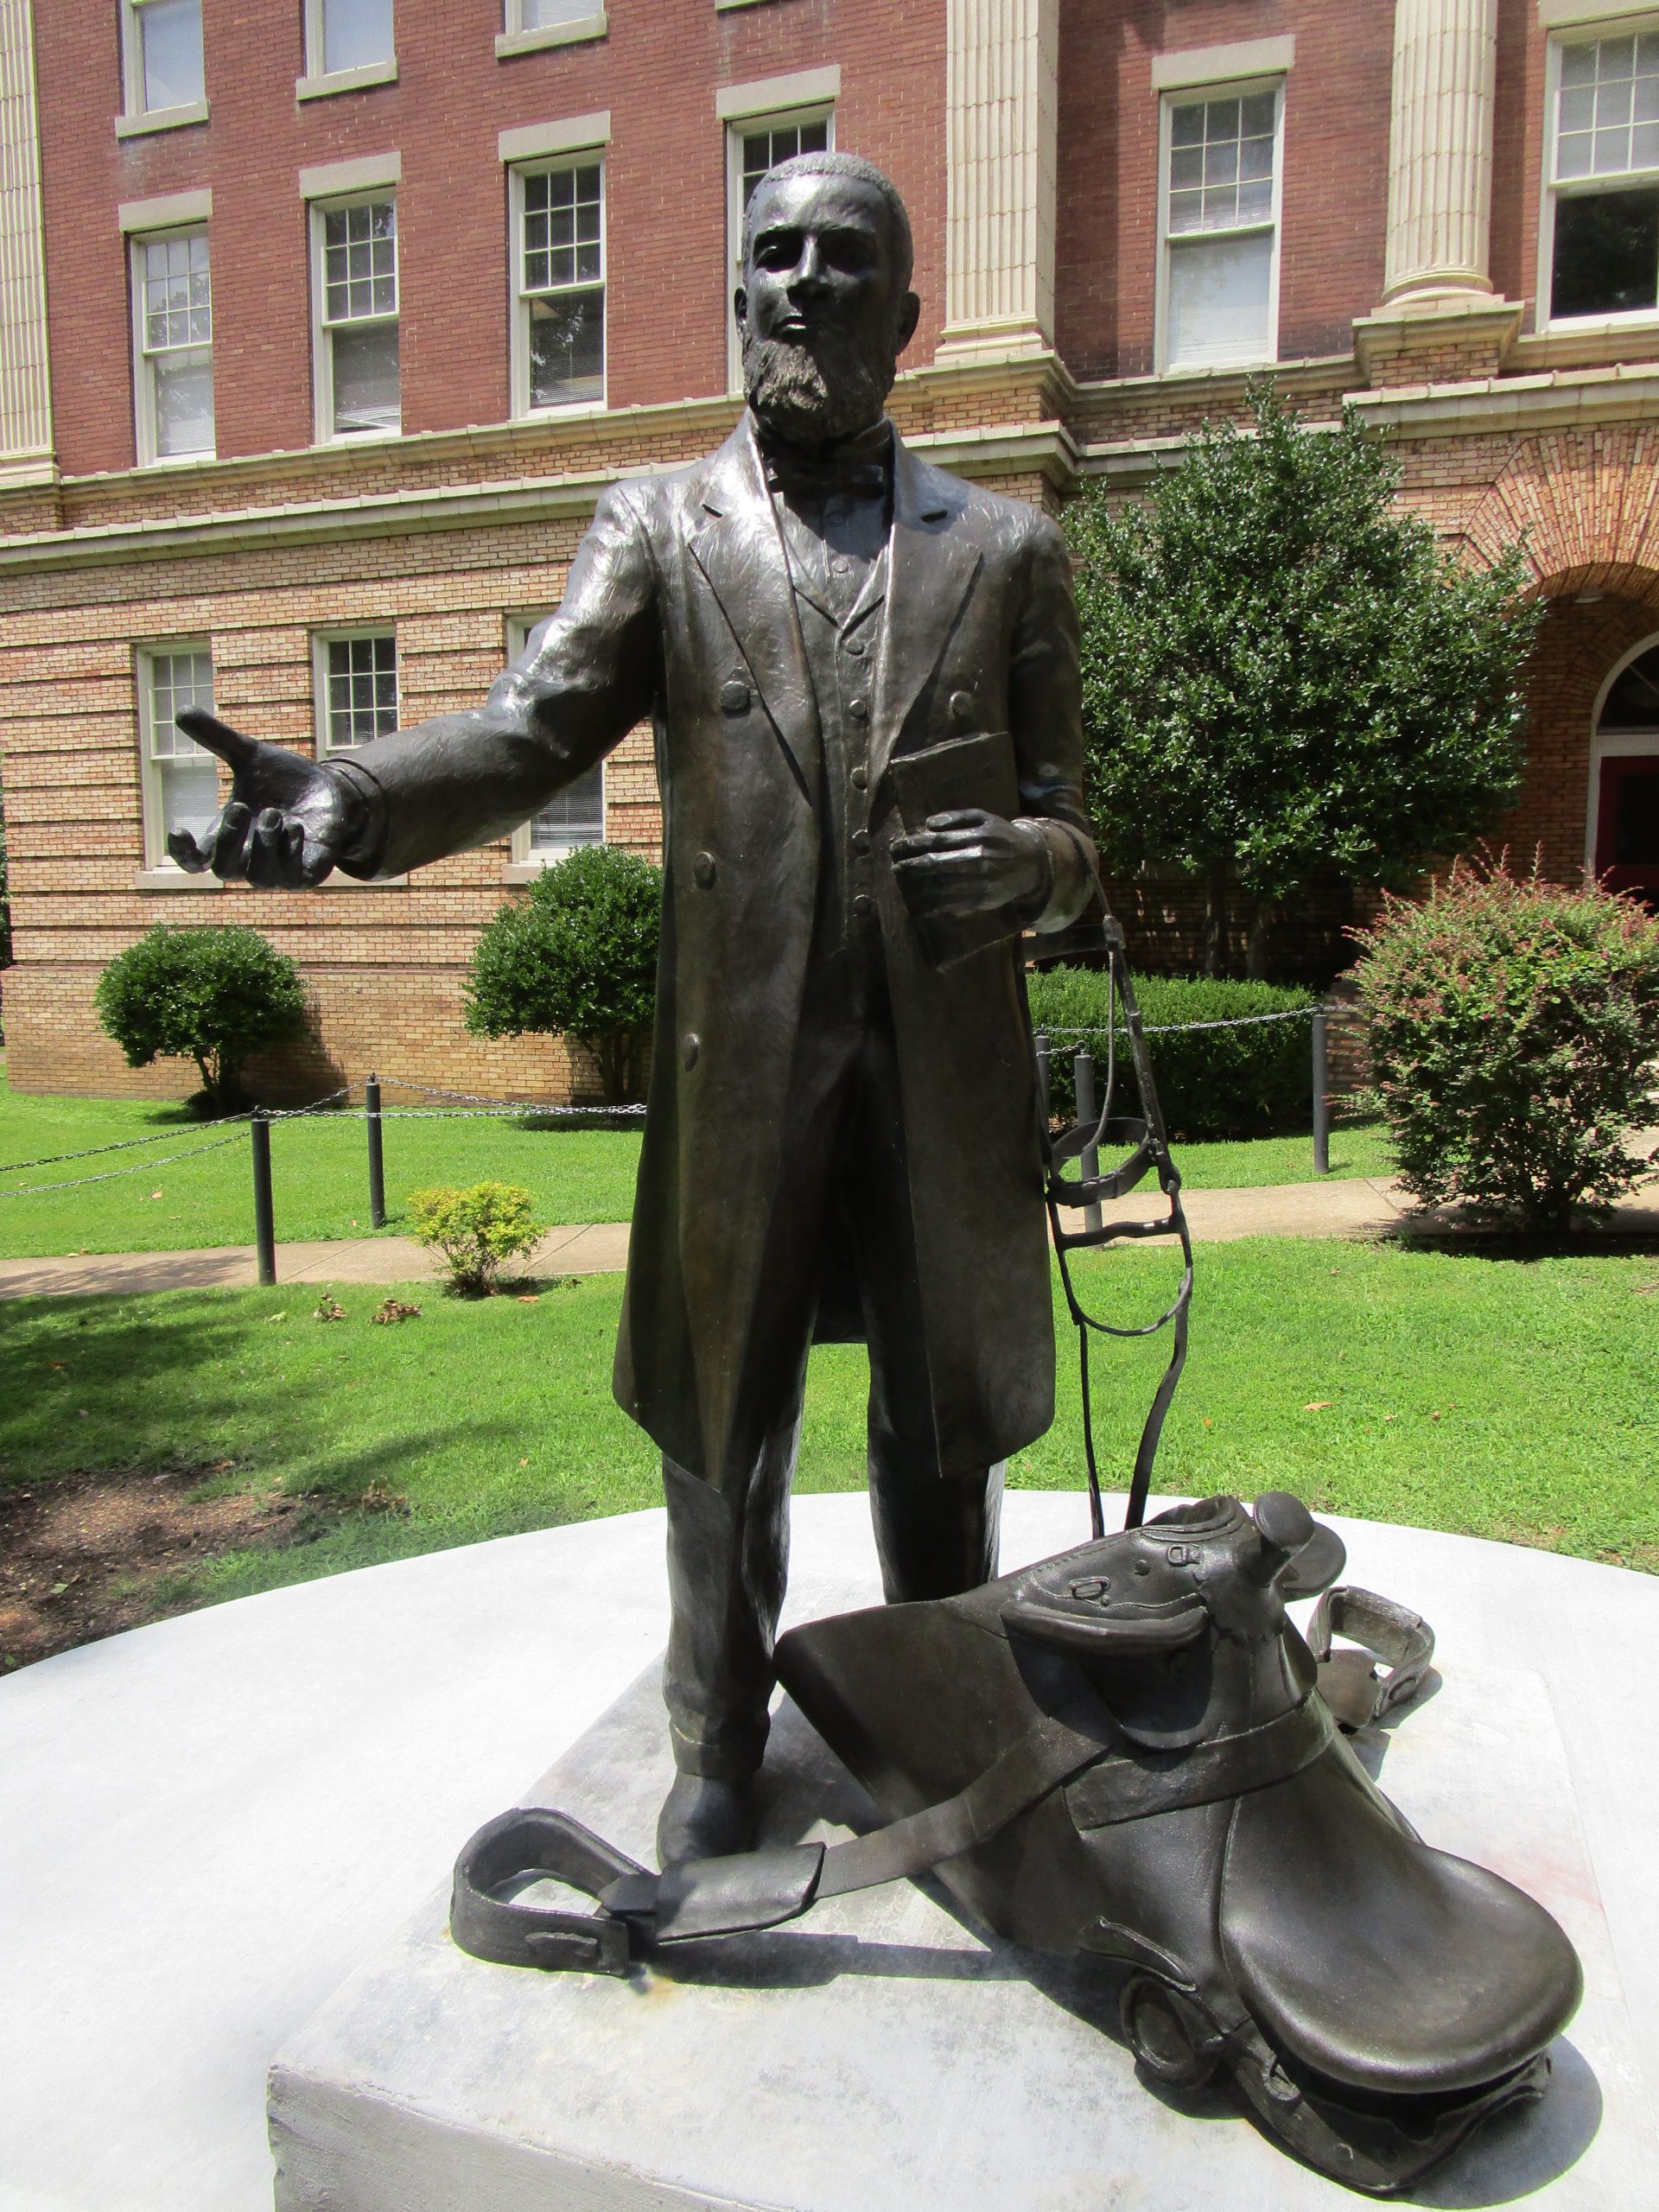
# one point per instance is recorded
(1190, 371)
(325, 86)
(149, 463)
(575, 410)
(161, 118)
(337, 881)
(336, 439)
(721, 7)
(577, 32)
(170, 878)
(518, 872)
(1599, 326)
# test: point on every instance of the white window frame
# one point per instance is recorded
(1586, 34)
(528, 861)
(143, 387)
(136, 117)
(738, 128)
(588, 22)
(158, 862)
(319, 82)
(338, 635)
(322, 351)
(1191, 96)
(586, 157)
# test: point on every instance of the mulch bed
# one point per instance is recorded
(86, 1555)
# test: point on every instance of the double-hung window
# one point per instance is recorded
(1220, 249)
(161, 57)
(1601, 217)
(576, 817)
(179, 778)
(173, 345)
(355, 261)
(343, 35)
(559, 260)
(356, 679)
(753, 145)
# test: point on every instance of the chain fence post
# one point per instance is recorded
(1321, 1095)
(265, 1232)
(376, 1155)
(1082, 1075)
(1044, 1082)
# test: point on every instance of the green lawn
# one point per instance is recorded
(1495, 1397)
(182, 1192)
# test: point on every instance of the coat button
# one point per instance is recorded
(702, 867)
(735, 698)
(861, 778)
(857, 648)
(861, 840)
(859, 710)
(962, 707)
(690, 1047)
(863, 905)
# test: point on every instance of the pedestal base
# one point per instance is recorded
(881, 2054)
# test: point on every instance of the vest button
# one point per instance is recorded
(861, 778)
(735, 698)
(861, 840)
(690, 1045)
(702, 867)
(856, 647)
(962, 707)
(859, 710)
(863, 905)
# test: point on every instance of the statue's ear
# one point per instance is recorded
(910, 312)
(741, 307)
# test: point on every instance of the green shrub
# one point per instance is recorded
(1513, 1026)
(576, 956)
(475, 1229)
(1212, 1083)
(210, 995)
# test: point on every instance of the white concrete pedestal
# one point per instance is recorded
(881, 2054)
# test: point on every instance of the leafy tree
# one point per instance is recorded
(575, 956)
(210, 995)
(1284, 673)
(1514, 1028)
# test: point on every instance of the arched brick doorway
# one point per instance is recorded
(1621, 835)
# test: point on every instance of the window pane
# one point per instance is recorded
(169, 43)
(1633, 702)
(182, 384)
(576, 817)
(362, 700)
(1221, 164)
(562, 228)
(1609, 88)
(1606, 253)
(764, 150)
(360, 261)
(177, 680)
(566, 348)
(177, 304)
(356, 33)
(189, 793)
(366, 395)
(539, 14)
(1219, 293)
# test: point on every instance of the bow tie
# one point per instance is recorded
(859, 468)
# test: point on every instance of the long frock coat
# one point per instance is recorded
(679, 606)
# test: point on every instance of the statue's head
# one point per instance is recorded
(825, 306)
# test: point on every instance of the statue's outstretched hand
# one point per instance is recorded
(286, 823)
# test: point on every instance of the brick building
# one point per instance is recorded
(322, 325)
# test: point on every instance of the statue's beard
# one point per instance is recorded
(811, 393)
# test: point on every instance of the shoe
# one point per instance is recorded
(705, 1816)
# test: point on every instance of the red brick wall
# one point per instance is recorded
(1335, 152)
(656, 72)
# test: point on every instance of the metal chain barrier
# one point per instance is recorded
(138, 1167)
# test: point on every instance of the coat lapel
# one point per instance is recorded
(737, 544)
(931, 570)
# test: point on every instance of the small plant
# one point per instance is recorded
(576, 956)
(1514, 1025)
(475, 1230)
(210, 995)
(329, 1309)
(392, 1310)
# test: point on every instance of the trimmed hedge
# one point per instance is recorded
(1212, 1083)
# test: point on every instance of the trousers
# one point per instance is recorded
(844, 1190)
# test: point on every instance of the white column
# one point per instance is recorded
(25, 386)
(1002, 73)
(1440, 147)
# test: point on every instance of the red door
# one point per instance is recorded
(1627, 826)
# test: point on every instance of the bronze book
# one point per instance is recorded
(966, 772)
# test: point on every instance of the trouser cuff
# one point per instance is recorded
(733, 1758)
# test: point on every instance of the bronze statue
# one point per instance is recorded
(863, 677)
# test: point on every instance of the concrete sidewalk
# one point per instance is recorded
(1358, 1207)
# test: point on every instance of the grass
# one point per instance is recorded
(158, 1202)
(1494, 1397)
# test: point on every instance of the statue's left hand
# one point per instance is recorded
(970, 862)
